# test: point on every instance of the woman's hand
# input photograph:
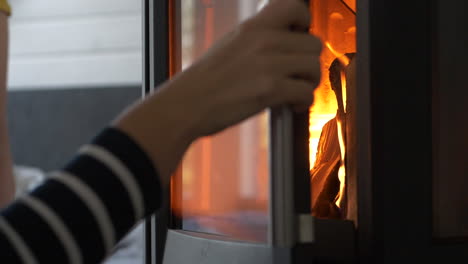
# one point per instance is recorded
(263, 63)
(260, 64)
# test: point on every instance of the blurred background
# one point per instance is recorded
(74, 65)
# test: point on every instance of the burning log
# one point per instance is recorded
(328, 192)
(324, 174)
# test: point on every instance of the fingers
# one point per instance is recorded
(285, 14)
(299, 66)
(286, 42)
(294, 92)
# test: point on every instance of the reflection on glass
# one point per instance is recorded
(223, 179)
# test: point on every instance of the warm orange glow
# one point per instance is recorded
(318, 117)
(341, 57)
(343, 89)
(351, 4)
(206, 174)
(335, 24)
(225, 175)
(228, 173)
(341, 140)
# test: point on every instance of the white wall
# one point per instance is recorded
(75, 43)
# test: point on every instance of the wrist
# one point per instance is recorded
(163, 130)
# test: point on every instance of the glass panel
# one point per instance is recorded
(351, 4)
(223, 179)
(450, 130)
(335, 24)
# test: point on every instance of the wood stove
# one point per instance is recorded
(382, 149)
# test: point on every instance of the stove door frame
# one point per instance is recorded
(286, 246)
(390, 228)
(156, 70)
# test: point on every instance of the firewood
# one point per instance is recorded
(324, 174)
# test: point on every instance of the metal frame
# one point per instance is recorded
(281, 227)
(398, 67)
(291, 222)
(156, 71)
(394, 228)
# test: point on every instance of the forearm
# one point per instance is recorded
(7, 186)
(164, 125)
(82, 211)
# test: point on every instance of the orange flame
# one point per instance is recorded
(342, 170)
(340, 56)
(343, 89)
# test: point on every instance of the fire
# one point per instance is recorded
(340, 56)
(334, 22)
(317, 120)
(343, 89)
(341, 140)
(325, 106)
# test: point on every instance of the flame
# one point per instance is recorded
(342, 169)
(325, 105)
(340, 56)
(343, 89)
(335, 24)
(323, 109)
(316, 122)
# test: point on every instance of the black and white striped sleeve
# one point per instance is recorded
(81, 212)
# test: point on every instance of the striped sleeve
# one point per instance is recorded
(83, 210)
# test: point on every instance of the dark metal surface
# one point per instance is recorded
(400, 48)
(156, 71)
(450, 97)
(335, 242)
(396, 65)
(160, 28)
(160, 31)
(146, 89)
(400, 59)
(362, 170)
(451, 123)
(301, 171)
(401, 127)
